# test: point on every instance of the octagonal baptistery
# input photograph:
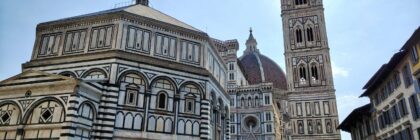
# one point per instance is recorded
(258, 68)
(136, 73)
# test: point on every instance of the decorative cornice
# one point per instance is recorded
(120, 16)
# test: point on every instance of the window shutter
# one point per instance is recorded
(416, 105)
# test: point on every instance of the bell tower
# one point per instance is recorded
(309, 73)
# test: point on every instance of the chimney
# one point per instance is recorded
(143, 2)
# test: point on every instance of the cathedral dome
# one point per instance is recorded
(261, 69)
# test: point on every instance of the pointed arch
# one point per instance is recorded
(138, 122)
(302, 71)
(196, 128)
(119, 120)
(160, 124)
(181, 127)
(314, 66)
(128, 120)
(151, 126)
(168, 125)
(188, 127)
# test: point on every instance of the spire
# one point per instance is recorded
(143, 2)
(251, 43)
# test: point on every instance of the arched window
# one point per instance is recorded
(162, 100)
(86, 111)
(68, 74)
(309, 34)
(95, 74)
(257, 102)
(314, 71)
(9, 114)
(302, 72)
(299, 37)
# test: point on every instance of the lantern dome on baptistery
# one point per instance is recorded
(258, 68)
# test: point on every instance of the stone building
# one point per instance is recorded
(394, 95)
(359, 123)
(312, 107)
(136, 73)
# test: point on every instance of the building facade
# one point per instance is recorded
(135, 73)
(360, 123)
(394, 95)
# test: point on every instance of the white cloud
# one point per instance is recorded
(339, 71)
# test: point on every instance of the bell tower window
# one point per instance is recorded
(314, 71)
(301, 2)
(299, 36)
(309, 34)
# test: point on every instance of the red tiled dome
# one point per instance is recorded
(261, 69)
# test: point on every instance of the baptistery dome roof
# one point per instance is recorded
(258, 68)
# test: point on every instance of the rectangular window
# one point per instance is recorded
(396, 112)
(326, 107)
(414, 105)
(131, 97)
(308, 108)
(402, 107)
(414, 54)
(138, 39)
(269, 129)
(317, 109)
(101, 37)
(232, 129)
(397, 80)
(267, 99)
(190, 51)
(299, 109)
(231, 66)
(268, 116)
(231, 76)
(408, 80)
(189, 105)
(74, 41)
(165, 46)
(49, 44)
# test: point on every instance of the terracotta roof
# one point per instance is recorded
(261, 69)
(355, 116)
(387, 68)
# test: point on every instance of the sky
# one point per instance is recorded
(362, 34)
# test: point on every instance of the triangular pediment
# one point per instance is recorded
(33, 77)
